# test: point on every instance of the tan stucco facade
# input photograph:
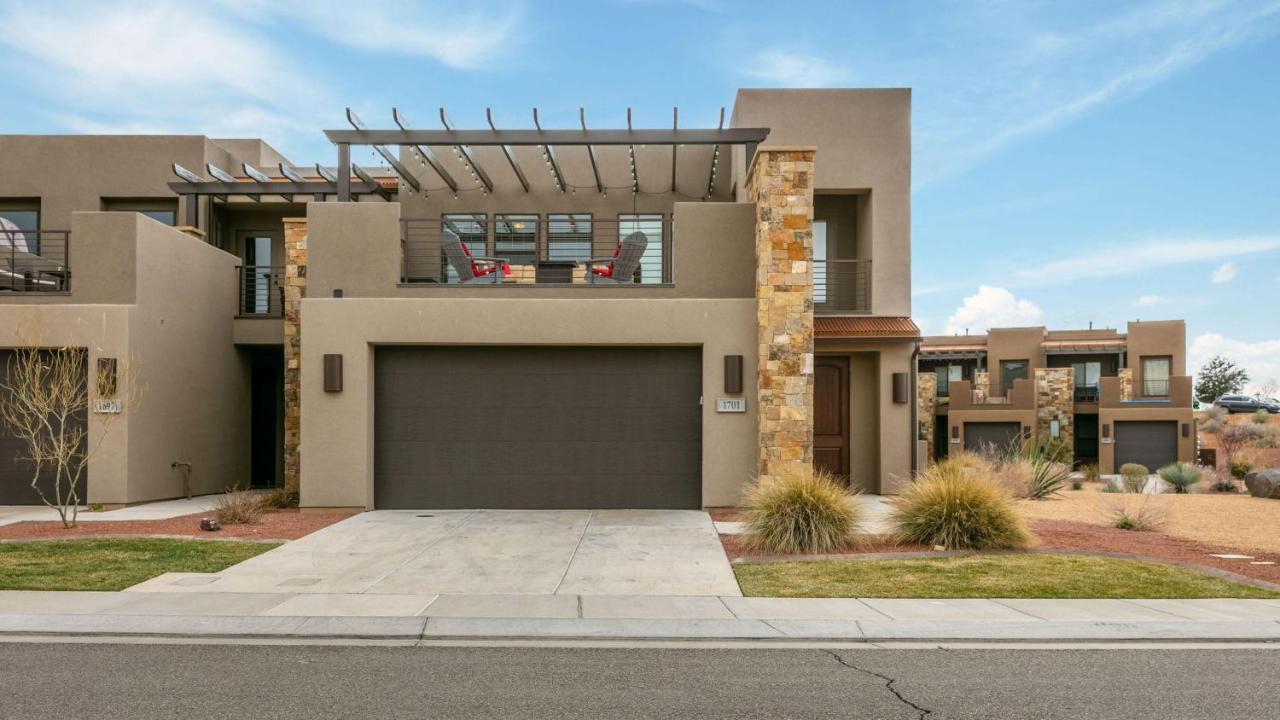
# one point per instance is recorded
(158, 300)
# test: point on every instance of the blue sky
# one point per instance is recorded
(1074, 162)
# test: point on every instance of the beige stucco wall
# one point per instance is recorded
(337, 428)
(863, 141)
(1154, 339)
(1013, 344)
(175, 328)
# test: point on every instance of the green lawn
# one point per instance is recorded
(113, 564)
(991, 576)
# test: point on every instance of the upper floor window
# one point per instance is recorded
(1087, 373)
(515, 238)
(163, 210)
(569, 236)
(651, 269)
(1155, 376)
(820, 267)
(1011, 370)
(20, 225)
(948, 374)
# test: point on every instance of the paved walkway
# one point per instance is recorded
(631, 616)
(554, 553)
(162, 510)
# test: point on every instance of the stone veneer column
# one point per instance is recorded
(1126, 384)
(926, 402)
(1055, 400)
(981, 385)
(780, 183)
(295, 288)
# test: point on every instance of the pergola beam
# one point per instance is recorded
(591, 152)
(425, 153)
(511, 158)
(675, 127)
(481, 138)
(550, 156)
(461, 148)
(218, 188)
(405, 173)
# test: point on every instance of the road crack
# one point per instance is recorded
(888, 684)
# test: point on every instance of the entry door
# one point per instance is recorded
(831, 415)
(261, 274)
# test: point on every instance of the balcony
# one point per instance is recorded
(34, 261)
(558, 249)
(261, 290)
(842, 287)
(1086, 393)
(1155, 388)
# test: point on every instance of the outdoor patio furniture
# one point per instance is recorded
(620, 268)
(472, 269)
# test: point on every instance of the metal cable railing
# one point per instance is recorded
(261, 290)
(842, 286)
(35, 260)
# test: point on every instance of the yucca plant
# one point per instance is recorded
(1048, 471)
(1180, 475)
(801, 511)
(951, 506)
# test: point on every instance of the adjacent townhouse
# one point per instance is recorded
(532, 318)
(1111, 398)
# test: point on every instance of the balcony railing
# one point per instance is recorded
(1155, 388)
(1086, 393)
(842, 286)
(539, 250)
(35, 261)
(261, 290)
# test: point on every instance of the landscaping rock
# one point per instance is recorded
(1263, 483)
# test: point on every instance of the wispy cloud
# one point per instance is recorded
(795, 68)
(464, 36)
(1148, 301)
(1113, 261)
(1261, 358)
(1225, 273)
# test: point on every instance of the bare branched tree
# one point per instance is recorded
(44, 403)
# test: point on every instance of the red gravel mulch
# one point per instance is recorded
(276, 525)
(1067, 535)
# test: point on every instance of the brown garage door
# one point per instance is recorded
(537, 428)
(1153, 444)
(15, 472)
(990, 436)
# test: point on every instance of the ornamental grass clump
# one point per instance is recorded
(801, 511)
(238, 507)
(1134, 477)
(952, 506)
(1181, 476)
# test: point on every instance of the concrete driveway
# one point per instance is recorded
(493, 552)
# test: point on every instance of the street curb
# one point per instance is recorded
(459, 629)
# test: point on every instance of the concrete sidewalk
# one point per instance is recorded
(417, 617)
(160, 510)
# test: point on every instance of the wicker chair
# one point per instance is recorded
(619, 269)
(472, 269)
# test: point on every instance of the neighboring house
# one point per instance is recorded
(1112, 398)
(747, 307)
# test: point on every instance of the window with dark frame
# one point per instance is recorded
(569, 236)
(1155, 376)
(21, 227)
(515, 238)
(161, 210)
(1011, 370)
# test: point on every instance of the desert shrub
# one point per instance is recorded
(1134, 477)
(1217, 481)
(1216, 412)
(281, 498)
(1213, 425)
(800, 511)
(1049, 472)
(1180, 475)
(1140, 514)
(238, 507)
(1091, 472)
(1261, 417)
(1239, 469)
(952, 506)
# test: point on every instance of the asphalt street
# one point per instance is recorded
(139, 681)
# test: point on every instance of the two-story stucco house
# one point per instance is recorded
(490, 318)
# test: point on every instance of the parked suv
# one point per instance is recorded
(1272, 405)
(1240, 403)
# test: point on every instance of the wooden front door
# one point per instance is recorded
(831, 415)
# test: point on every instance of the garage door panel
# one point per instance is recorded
(1152, 444)
(537, 427)
(984, 436)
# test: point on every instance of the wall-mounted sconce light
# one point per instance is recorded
(901, 387)
(337, 292)
(955, 433)
(1106, 432)
(332, 373)
(732, 374)
(1186, 430)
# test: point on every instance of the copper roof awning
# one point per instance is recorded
(952, 349)
(865, 328)
(1084, 345)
